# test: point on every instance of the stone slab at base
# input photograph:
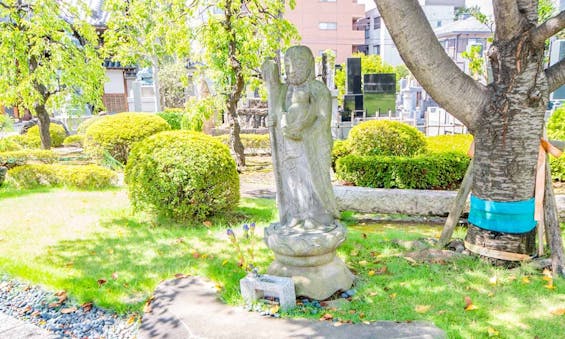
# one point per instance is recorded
(254, 288)
(316, 282)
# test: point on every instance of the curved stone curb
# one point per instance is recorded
(404, 201)
(190, 308)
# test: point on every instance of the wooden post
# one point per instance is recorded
(457, 207)
(539, 194)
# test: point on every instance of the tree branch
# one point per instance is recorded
(418, 46)
(547, 29)
(556, 75)
(507, 19)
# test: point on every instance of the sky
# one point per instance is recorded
(484, 4)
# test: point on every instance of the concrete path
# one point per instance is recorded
(13, 328)
(189, 308)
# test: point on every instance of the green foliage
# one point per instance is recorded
(47, 58)
(56, 131)
(8, 145)
(81, 129)
(556, 124)
(18, 158)
(81, 177)
(117, 133)
(449, 143)
(384, 137)
(427, 171)
(24, 141)
(250, 141)
(173, 118)
(557, 168)
(340, 149)
(199, 111)
(5, 122)
(183, 175)
(74, 140)
(476, 60)
(173, 77)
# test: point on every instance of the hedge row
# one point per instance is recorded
(428, 171)
(81, 177)
(250, 141)
(21, 157)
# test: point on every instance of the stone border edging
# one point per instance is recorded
(404, 201)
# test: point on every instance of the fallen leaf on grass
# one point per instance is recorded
(371, 273)
(101, 282)
(363, 263)
(180, 275)
(550, 285)
(492, 332)
(326, 316)
(469, 304)
(224, 262)
(131, 319)
(69, 264)
(422, 308)
(62, 296)
(547, 272)
(68, 310)
(354, 253)
(525, 280)
(147, 306)
(392, 296)
(86, 307)
(559, 311)
(207, 223)
(372, 294)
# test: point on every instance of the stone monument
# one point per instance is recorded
(306, 237)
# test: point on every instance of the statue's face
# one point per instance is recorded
(299, 64)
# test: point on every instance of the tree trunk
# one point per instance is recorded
(43, 123)
(156, 84)
(507, 136)
(553, 230)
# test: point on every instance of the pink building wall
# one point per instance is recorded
(309, 14)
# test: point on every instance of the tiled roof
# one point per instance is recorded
(469, 25)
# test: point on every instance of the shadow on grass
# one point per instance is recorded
(119, 268)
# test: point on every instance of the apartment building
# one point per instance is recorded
(378, 40)
(330, 24)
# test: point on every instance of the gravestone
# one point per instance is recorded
(306, 237)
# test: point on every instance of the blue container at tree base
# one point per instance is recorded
(507, 217)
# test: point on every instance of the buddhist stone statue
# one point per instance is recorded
(306, 237)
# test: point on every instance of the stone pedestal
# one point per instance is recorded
(308, 256)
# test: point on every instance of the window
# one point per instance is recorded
(377, 22)
(328, 25)
(327, 0)
(377, 49)
(438, 23)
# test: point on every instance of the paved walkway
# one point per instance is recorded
(190, 308)
(12, 328)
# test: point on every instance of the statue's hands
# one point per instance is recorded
(291, 133)
(269, 71)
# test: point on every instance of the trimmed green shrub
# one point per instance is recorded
(556, 125)
(449, 143)
(386, 138)
(182, 175)
(56, 131)
(74, 140)
(173, 118)
(427, 171)
(9, 145)
(5, 122)
(556, 130)
(81, 177)
(18, 158)
(81, 129)
(24, 141)
(340, 149)
(116, 134)
(250, 141)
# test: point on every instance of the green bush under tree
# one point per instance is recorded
(116, 134)
(187, 176)
(556, 130)
(22, 157)
(89, 177)
(74, 140)
(173, 117)
(385, 138)
(56, 131)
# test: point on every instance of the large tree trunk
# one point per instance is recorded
(43, 123)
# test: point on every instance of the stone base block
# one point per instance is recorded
(316, 282)
(253, 288)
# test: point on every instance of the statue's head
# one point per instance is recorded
(298, 65)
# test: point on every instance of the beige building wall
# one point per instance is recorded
(327, 24)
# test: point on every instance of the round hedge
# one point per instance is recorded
(182, 175)
(56, 131)
(386, 138)
(116, 134)
(83, 126)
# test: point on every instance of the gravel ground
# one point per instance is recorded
(61, 317)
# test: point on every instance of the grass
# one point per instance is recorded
(92, 246)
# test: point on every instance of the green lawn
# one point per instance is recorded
(74, 241)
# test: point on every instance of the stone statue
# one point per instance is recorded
(305, 238)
